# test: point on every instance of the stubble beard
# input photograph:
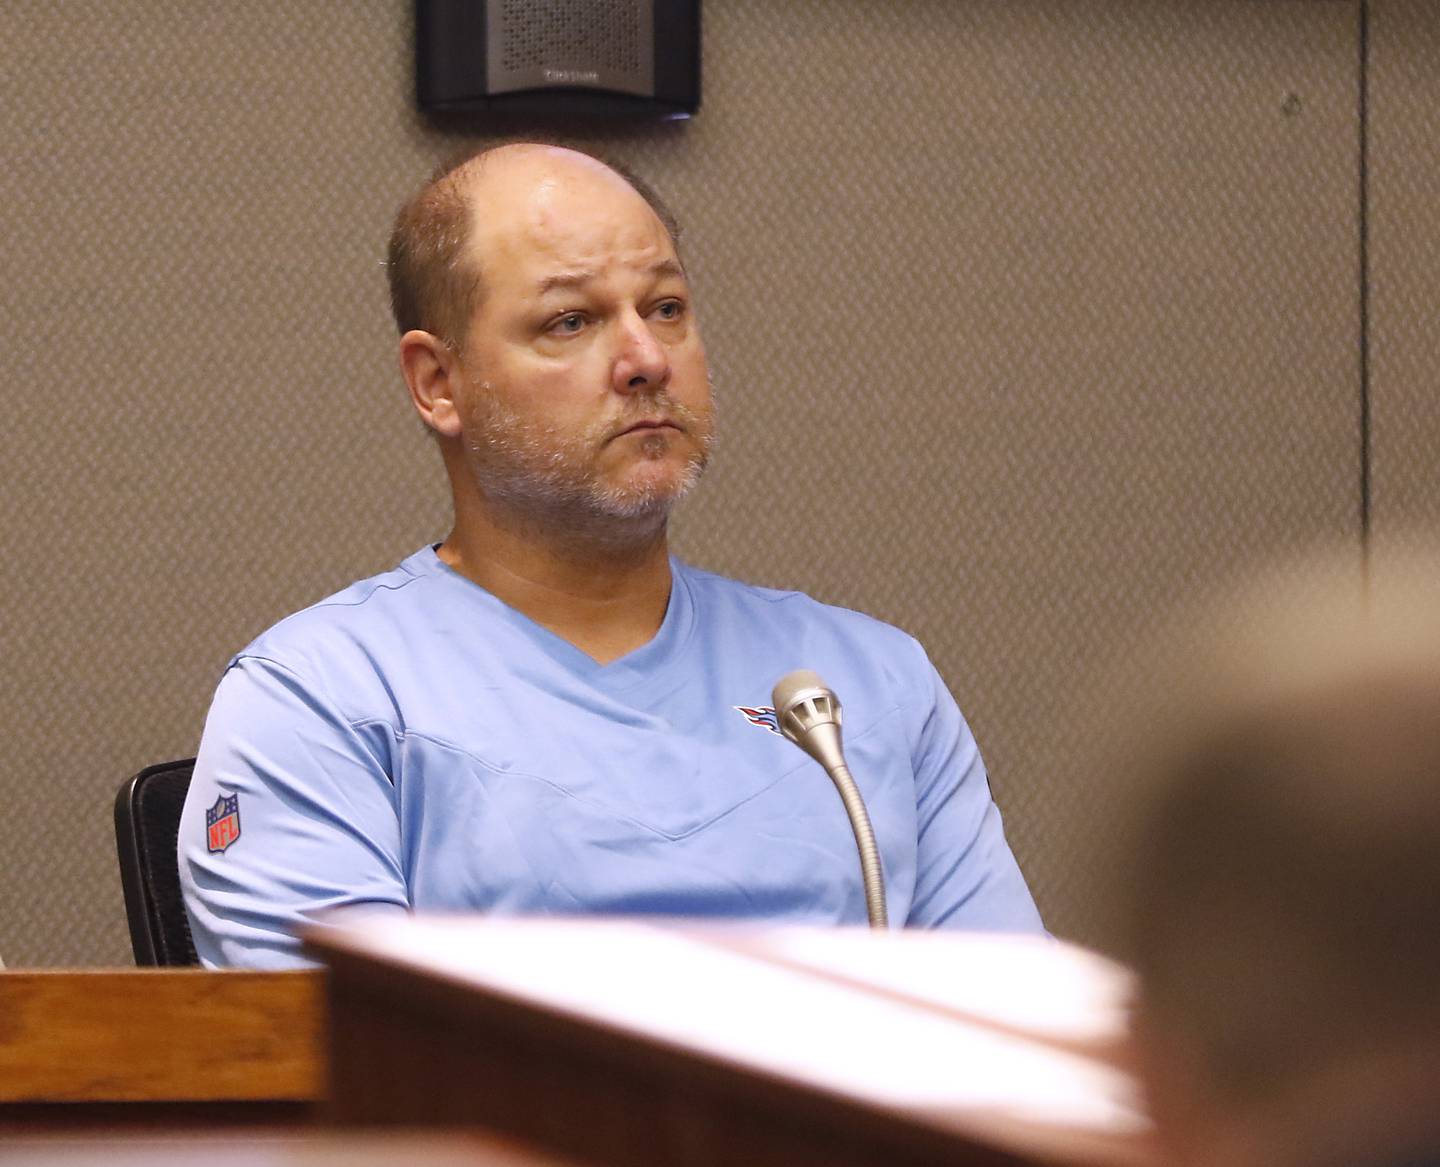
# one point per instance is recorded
(542, 476)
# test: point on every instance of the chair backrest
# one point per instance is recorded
(147, 823)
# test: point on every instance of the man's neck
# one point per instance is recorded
(606, 596)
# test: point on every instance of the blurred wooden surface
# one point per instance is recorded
(162, 1036)
(276, 1149)
(630, 1044)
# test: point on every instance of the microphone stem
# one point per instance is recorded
(864, 843)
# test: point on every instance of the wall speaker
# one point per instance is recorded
(606, 57)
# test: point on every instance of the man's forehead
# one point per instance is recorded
(547, 228)
(561, 275)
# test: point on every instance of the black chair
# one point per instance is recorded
(147, 823)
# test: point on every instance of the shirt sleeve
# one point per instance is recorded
(315, 824)
(966, 876)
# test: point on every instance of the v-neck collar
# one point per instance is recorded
(617, 676)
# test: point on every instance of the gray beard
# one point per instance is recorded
(542, 479)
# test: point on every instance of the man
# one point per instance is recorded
(1286, 886)
(546, 712)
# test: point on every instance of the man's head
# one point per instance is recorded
(1286, 886)
(549, 340)
(435, 284)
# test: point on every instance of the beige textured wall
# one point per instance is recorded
(1405, 267)
(1027, 318)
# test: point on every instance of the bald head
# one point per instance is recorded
(437, 253)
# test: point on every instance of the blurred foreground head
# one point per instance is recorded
(1284, 914)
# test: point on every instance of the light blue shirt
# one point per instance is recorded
(414, 743)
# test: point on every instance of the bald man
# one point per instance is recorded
(547, 712)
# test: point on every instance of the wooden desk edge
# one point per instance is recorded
(161, 1035)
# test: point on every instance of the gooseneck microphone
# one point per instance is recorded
(809, 715)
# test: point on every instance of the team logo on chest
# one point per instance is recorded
(222, 822)
(762, 715)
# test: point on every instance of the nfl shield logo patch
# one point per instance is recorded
(222, 822)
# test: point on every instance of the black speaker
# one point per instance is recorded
(606, 57)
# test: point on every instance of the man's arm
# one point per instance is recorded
(316, 824)
(966, 876)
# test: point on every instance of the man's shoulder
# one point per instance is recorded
(767, 609)
(369, 610)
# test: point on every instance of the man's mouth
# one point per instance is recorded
(648, 424)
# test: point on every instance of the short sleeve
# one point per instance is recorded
(966, 876)
(292, 811)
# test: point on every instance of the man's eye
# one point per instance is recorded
(669, 310)
(570, 323)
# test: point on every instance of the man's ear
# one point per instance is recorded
(433, 375)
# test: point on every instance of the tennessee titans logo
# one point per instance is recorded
(222, 822)
(764, 717)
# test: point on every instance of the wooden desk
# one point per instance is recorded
(635, 1044)
(159, 1046)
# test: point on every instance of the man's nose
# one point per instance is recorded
(643, 362)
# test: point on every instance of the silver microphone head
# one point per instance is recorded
(804, 703)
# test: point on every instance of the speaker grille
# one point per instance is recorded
(594, 44)
(571, 35)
